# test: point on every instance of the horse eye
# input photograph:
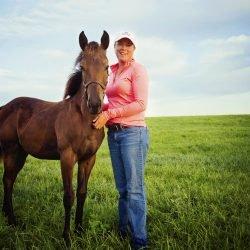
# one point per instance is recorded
(107, 67)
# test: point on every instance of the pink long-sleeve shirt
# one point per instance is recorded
(127, 95)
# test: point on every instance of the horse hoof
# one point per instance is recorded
(12, 221)
(67, 239)
(10, 216)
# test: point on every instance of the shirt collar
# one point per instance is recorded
(115, 66)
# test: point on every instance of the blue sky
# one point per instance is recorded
(197, 52)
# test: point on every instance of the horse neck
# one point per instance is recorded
(80, 100)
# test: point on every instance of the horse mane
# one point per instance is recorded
(73, 84)
(75, 79)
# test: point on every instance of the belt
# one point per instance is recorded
(117, 126)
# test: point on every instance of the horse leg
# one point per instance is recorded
(13, 163)
(84, 169)
(67, 163)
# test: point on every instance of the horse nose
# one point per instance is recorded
(94, 107)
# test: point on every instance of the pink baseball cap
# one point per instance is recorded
(128, 35)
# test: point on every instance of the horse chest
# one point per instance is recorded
(90, 144)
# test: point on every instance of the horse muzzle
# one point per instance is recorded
(94, 108)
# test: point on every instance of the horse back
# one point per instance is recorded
(16, 114)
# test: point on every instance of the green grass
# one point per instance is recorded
(198, 190)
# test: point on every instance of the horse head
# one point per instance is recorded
(94, 68)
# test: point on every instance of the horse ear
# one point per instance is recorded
(105, 40)
(83, 40)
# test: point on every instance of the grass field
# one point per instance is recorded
(198, 190)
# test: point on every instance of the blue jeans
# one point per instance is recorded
(128, 150)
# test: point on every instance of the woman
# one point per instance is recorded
(124, 115)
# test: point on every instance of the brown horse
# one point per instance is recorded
(58, 130)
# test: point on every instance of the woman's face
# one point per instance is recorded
(124, 50)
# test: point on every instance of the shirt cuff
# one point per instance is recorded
(106, 114)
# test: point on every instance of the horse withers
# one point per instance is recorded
(58, 130)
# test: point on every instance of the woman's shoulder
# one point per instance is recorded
(138, 68)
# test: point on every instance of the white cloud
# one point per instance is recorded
(233, 40)
(220, 67)
(161, 57)
(54, 53)
(5, 72)
(54, 16)
(217, 50)
(47, 87)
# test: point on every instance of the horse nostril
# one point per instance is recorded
(94, 105)
(95, 110)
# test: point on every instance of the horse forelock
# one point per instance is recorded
(93, 48)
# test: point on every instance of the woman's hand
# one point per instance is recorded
(100, 121)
